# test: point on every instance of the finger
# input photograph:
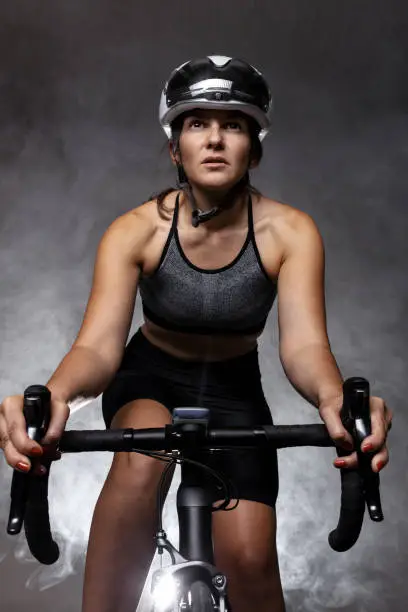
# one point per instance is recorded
(346, 461)
(15, 428)
(388, 417)
(19, 438)
(380, 460)
(379, 426)
(378, 463)
(15, 459)
(50, 451)
(59, 417)
(337, 431)
(17, 446)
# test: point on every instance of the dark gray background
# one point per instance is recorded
(80, 144)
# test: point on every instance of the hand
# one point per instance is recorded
(18, 448)
(381, 422)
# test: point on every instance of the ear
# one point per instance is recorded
(173, 152)
(254, 163)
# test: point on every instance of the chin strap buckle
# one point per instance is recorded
(198, 216)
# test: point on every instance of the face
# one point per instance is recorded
(211, 135)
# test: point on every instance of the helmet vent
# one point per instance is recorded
(208, 84)
(219, 60)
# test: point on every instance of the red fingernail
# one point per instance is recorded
(367, 447)
(37, 452)
(340, 462)
(380, 465)
(24, 467)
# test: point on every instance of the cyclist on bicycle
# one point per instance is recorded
(209, 259)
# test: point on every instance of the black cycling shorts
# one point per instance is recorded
(232, 391)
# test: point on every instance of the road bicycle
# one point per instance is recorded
(191, 582)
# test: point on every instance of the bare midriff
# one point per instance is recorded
(198, 347)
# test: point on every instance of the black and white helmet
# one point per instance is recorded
(217, 82)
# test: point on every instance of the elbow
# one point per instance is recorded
(289, 354)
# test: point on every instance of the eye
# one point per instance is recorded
(195, 123)
(234, 125)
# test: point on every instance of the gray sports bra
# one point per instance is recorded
(234, 299)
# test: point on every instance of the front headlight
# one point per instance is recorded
(165, 592)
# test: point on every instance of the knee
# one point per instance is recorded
(255, 565)
(133, 471)
(250, 564)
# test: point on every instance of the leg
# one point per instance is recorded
(121, 543)
(245, 551)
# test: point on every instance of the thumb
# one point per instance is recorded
(331, 417)
(59, 417)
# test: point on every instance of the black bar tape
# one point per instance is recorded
(351, 512)
(119, 440)
(20, 485)
(88, 440)
(37, 521)
(279, 436)
(285, 436)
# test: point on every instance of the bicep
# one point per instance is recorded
(301, 291)
(109, 311)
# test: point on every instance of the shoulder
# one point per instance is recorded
(292, 227)
(138, 225)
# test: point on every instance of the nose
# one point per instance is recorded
(215, 136)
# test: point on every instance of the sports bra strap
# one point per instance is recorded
(251, 230)
(176, 213)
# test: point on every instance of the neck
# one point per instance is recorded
(206, 200)
(233, 205)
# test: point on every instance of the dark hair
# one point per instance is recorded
(243, 185)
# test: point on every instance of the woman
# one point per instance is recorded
(209, 259)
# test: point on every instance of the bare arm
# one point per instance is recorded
(96, 354)
(97, 351)
(304, 346)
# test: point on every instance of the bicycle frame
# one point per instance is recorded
(195, 558)
(187, 433)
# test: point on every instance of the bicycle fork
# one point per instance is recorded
(194, 561)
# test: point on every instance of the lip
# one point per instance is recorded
(214, 160)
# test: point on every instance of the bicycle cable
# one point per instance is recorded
(227, 485)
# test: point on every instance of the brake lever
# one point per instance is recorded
(357, 420)
(37, 402)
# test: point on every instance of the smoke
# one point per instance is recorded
(79, 145)
(53, 220)
(74, 486)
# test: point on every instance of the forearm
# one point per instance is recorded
(314, 373)
(82, 373)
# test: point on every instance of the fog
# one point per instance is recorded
(80, 144)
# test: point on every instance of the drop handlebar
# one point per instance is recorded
(359, 487)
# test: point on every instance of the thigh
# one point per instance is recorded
(139, 377)
(245, 552)
(245, 544)
(245, 538)
(128, 387)
(138, 471)
(251, 473)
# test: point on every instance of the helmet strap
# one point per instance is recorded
(199, 216)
